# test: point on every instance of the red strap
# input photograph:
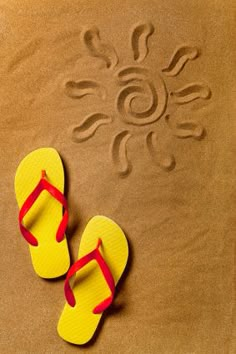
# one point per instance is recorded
(43, 185)
(94, 255)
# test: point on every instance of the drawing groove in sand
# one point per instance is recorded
(130, 73)
(139, 40)
(190, 93)
(97, 48)
(26, 52)
(79, 89)
(119, 153)
(186, 129)
(139, 85)
(181, 56)
(142, 97)
(88, 126)
(164, 160)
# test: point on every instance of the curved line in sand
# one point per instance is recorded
(139, 40)
(79, 89)
(28, 50)
(178, 60)
(89, 126)
(90, 37)
(165, 161)
(186, 129)
(190, 93)
(119, 153)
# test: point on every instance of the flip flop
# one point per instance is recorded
(94, 285)
(39, 187)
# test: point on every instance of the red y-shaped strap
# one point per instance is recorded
(94, 255)
(43, 185)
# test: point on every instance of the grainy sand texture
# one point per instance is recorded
(138, 99)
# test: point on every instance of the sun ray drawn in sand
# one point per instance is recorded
(135, 83)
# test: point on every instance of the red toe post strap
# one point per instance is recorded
(43, 185)
(94, 255)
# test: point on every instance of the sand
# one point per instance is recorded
(137, 97)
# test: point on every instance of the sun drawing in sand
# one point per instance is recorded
(136, 84)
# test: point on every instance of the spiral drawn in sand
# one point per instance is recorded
(139, 40)
(119, 153)
(180, 57)
(142, 96)
(127, 74)
(160, 158)
(97, 48)
(87, 128)
(139, 89)
(186, 129)
(79, 89)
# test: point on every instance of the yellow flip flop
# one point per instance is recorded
(93, 290)
(39, 187)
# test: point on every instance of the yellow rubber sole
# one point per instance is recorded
(78, 324)
(50, 258)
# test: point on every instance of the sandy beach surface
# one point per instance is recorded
(138, 97)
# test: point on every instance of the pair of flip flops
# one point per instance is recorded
(103, 251)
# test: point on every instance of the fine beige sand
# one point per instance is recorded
(137, 97)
